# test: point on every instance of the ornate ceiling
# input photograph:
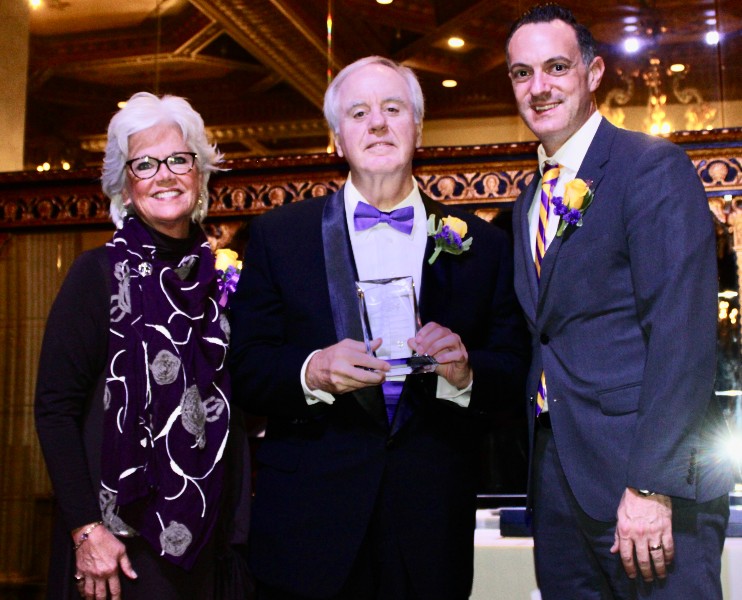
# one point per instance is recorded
(257, 69)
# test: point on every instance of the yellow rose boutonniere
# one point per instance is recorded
(449, 236)
(577, 199)
(226, 258)
(228, 270)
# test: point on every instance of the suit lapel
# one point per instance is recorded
(434, 290)
(593, 167)
(341, 275)
(547, 266)
(526, 253)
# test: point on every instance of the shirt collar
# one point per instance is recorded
(571, 154)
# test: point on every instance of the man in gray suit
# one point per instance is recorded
(615, 270)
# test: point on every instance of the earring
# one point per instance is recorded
(201, 199)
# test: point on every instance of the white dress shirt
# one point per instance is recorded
(382, 252)
(569, 157)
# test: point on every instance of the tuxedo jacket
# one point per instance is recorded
(322, 468)
(623, 323)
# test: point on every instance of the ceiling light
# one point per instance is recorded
(34, 4)
(449, 83)
(712, 38)
(121, 104)
(631, 45)
(384, 1)
(677, 68)
(630, 28)
(455, 42)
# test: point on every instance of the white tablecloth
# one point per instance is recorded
(503, 567)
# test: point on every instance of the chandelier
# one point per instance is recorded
(698, 114)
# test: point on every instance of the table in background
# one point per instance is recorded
(503, 567)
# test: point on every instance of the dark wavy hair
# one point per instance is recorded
(545, 13)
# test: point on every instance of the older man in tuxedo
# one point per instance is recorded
(366, 485)
(615, 270)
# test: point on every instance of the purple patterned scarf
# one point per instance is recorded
(167, 394)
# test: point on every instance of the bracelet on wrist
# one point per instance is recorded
(86, 534)
(646, 493)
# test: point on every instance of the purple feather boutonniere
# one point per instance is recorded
(577, 199)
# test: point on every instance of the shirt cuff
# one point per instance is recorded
(313, 396)
(448, 391)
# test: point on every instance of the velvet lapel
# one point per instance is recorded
(593, 169)
(435, 297)
(341, 277)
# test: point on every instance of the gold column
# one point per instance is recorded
(14, 34)
(32, 267)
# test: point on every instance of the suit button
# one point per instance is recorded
(544, 338)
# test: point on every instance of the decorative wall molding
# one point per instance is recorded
(480, 178)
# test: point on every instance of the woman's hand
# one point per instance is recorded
(99, 559)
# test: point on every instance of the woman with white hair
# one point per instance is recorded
(132, 401)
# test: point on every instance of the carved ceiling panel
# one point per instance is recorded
(260, 67)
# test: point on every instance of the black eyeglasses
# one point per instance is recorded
(146, 167)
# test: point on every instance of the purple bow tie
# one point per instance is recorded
(366, 216)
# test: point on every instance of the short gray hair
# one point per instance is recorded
(331, 108)
(142, 111)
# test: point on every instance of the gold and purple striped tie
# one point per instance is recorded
(548, 183)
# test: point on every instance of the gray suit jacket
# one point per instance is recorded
(624, 324)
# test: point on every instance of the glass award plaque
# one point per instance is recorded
(388, 309)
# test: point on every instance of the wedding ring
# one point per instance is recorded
(657, 547)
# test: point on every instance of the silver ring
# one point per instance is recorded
(657, 547)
